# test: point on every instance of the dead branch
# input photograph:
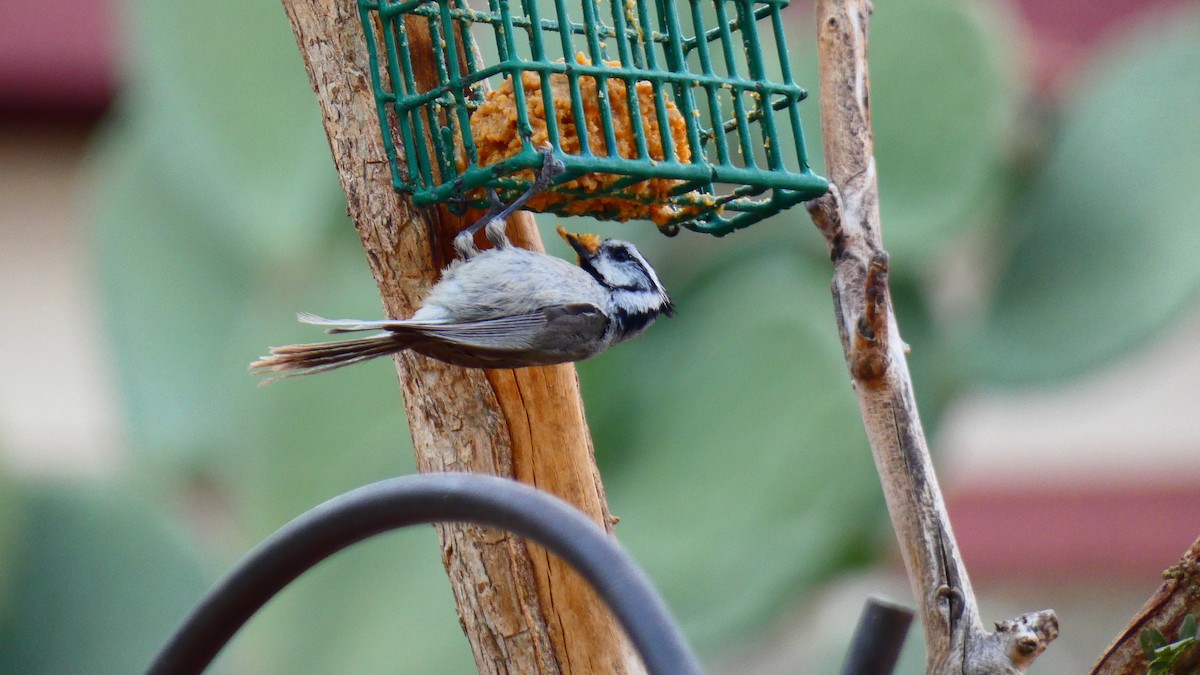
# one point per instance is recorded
(1178, 596)
(956, 641)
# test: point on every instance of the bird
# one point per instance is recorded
(504, 307)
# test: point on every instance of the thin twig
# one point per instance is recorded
(848, 217)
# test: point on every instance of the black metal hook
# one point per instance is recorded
(409, 500)
(878, 638)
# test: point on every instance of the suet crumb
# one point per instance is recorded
(589, 241)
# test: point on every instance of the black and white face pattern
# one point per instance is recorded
(638, 297)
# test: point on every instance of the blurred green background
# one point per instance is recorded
(1041, 223)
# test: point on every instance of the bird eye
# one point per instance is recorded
(621, 254)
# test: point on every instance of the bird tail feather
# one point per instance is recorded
(307, 359)
(349, 325)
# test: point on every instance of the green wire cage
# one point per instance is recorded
(683, 113)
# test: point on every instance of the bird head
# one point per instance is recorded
(618, 266)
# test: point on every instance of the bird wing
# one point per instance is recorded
(553, 334)
(558, 328)
(508, 328)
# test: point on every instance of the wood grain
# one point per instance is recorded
(956, 641)
(522, 610)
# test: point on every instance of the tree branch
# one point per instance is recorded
(1178, 596)
(522, 609)
(848, 217)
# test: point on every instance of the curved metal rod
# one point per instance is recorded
(409, 500)
(878, 638)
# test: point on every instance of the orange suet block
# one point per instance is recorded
(494, 129)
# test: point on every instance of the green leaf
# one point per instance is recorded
(945, 96)
(188, 307)
(12, 514)
(1188, 628)
(1158, 668)
(1104, 246)
(380, 603)
(172, 287)
(1151, 639)
(732, 449)
(272, 452)
(222, 96)
(384, 602)
(195, 289)
(100, 582)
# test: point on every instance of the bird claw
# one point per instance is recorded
(552, 167)
(494, 220)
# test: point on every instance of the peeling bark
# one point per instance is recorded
(848, 217)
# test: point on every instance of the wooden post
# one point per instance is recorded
(522, 610)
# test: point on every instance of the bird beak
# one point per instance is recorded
(585, 245)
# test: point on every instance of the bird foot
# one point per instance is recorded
(495, 219)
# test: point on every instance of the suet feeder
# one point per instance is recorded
(682, 113)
